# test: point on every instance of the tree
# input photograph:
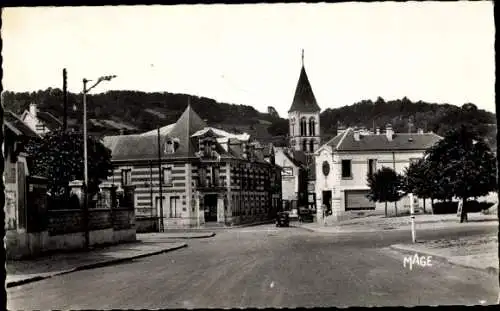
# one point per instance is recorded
(385, 186)
(58, 156)
(464, 165)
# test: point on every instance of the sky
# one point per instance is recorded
(439, 52)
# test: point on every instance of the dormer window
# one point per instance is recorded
(171, 145)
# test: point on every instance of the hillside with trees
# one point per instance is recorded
(135, 111)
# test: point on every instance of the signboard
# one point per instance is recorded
(287, 172)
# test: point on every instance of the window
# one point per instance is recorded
(303, 126)
(126, 177)
(167, 176)
(312, 125)
(174, 208)
(292, 127)
(372, 166)
(311, 146)
(304, 145)
(214, 176)
(346, 169)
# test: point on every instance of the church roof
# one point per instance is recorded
(304, 100)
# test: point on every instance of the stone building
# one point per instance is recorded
(344, 162)
(208, 177)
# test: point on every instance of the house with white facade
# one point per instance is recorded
(293, 177)
(39, 121)
(343, 163)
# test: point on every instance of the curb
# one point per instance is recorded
(212, 234)
(490, 270)
(93, 266)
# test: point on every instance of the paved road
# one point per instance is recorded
(265, 267)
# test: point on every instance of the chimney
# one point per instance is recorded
(356, 134)
(33, 109)
(389, 132)
(420, 131)
(377, 131)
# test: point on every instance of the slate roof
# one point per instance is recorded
(189, 125)
(374, 142)
(304, 99)
(15, 123)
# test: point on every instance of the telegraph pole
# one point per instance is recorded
(65, 95)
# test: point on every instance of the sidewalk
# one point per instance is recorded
(378, 223)
(25, 271)
(479, 252)
(217, 227)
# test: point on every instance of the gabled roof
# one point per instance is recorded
(304, 99)
(48, 119)
(379, 142)
(13, 122)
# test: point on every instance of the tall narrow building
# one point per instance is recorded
(304, 116)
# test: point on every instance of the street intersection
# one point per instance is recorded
(265, 266)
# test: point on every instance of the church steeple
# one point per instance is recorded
(304, 116)
(304, 99)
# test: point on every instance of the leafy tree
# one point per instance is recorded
(58, 156)
(464, 165)
(385, 186)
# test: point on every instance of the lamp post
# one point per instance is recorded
(85, 160)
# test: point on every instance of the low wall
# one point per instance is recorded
(65, 230)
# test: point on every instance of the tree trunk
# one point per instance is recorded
(385, 209)
(396, 208)
(424, 205)
(463, 212)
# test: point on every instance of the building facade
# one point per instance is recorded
(40, 122)
(193, 175)
(293, 177)
(344, 162)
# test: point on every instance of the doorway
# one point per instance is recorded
(210, 207)
(327, 198)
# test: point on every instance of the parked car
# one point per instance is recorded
(305, 215)
(282, 219)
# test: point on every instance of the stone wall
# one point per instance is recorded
(64, 229)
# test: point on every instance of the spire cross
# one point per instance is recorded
(302, 57)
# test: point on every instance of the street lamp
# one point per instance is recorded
(85, 172)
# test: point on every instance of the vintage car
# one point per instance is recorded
(282, 219)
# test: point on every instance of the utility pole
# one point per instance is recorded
(65, 95)
(160, 183)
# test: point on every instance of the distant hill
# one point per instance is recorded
(133, 111)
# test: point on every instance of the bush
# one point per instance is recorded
(452, 207)
(445, 207)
